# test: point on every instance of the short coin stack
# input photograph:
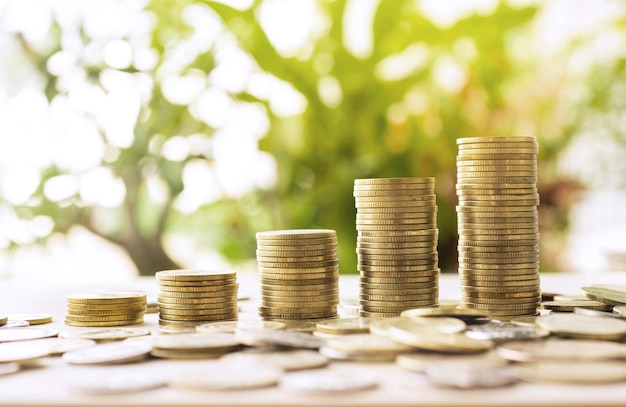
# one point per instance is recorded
(299, 274)
(194, 297)
(497, 220)
(105, 309)
(397, 244)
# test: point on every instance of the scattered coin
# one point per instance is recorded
(561, 349)
(570, 306)
(116, 383)
(417, 361)
(228, 376)
(3, 319)
(327, 381)
(15, 324)
(105, 334)
(110, 353)
(469, 316)
(471, 375)
(505, 331)
(288, 360)
(264, 337)
(583, 326)
(573, 372)
(32, 319)
(232, 326)
(27, 333)
(7, 368)
(59, 346)
(609, 296)
(344, 326)
(594, 313)
(23, 351)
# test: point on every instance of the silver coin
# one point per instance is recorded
(27, 333)
(417, 362)
(9, 368)
(231, 326)
(340, 354)
(289, 360)
(573, 372)
(190, 341)
(59, 346)
(117, 383)
(327, 381)
(504, 331)
(105, 334)
(15, 324)
(471, 375)
(227, 376)
(594, 313)
(264, 337)
(110, 353)
(561, 350)
(23, 351)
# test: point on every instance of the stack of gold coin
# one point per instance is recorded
(195, 297)
(497, 220)
(105, 309)
(299, 274)
(396, 249)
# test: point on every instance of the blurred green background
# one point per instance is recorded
(176, 130)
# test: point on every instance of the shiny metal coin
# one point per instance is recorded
(227, 376)
(116, 383)
(110, 353)
(288, 360)
(471, 375)
(327, 381)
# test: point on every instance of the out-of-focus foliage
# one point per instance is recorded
(393, 113)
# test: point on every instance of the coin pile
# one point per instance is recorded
(396, 249)
(497, 219)
(195, 297)
(299, 274)
(106, 309)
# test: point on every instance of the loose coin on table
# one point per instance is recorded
(417, 362)
(59, 346)
(327, 381)
(193, 345)
(116, 383)
(471, 375)
(364, 347)
(26, 333)
(32, 319)
(110, 353)
(572, 372)
(104, 334)
(583, 326)
(227, 376)
(610, 296)
(3, 319)
(288, 360)
(265, 337)
(7, 368)
(562, 349)
(505, 331)
(23, 351)
(230, 327)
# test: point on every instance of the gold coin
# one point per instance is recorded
(394, 188)
(497, 168)
(365, 237)
(199, 319)
(583, 326)
(32, 319)
(504, 181)
(491, 249)
(445, 312)
(195, 295)
(499, 271)
(505, 255)
(368, 314)
(393, 273)
(480, 262)
(297, 244)
(569, 306)
(96, 318)
(104, 313)
(471, 202)
(319, 271)
(298, 254)
(501, 151)
(376, 196)
(3, 319)
(303, 287)
(311, 249)
(503, 240)
(194, 314)
(496, 139)
(467, 209)
(531, 213)
(406, 256)
(498, 283)
(392, 298)
(400, 291)
(197, 283)
(104, 323)
(499, 145)
(427, 336)
(503, 192)
(470, 241)
(296, 260)
(426, 203)
(423, 251)
(505, 289)
(526, 308)
(467, 233)
(183, 308)
(396, 311)
(200, 289)
(193, 275)
(284, 317)
(395, 216)
(196, 300)
(478, 155)
(496, 163)
(269, 280)
(296, 265)
(495, 301)
(382, 271)
(107, 298)
(296, 294)
(397, 228)
(365, 247)
(396, 210)
(362, 264)
(383, 281)
(189, 326)
(418, 222)
(605, 295)
(295, 234)
(386, 181)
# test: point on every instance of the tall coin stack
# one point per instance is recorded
(498, 230)
(194, 297)
(299, 274)
(105, 309)
(397, 244)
